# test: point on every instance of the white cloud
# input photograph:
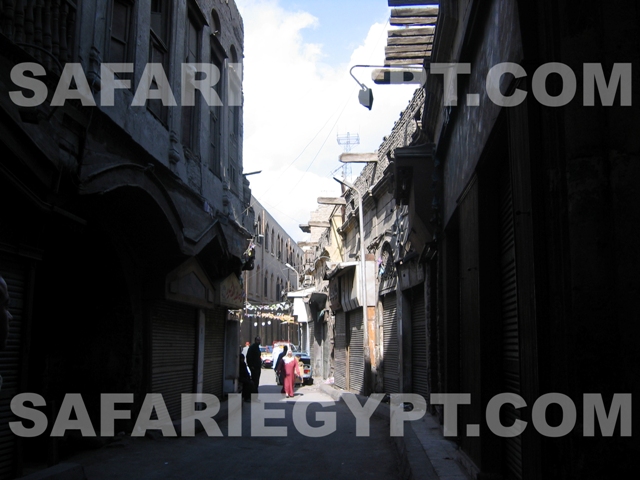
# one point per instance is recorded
(295, 104)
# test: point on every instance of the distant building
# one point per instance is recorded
(122, 228)
(271, 279)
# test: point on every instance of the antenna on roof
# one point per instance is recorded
(347, 141)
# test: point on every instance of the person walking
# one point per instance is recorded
(245, 379)
(291, 370)
(254, 362)
(278, 367)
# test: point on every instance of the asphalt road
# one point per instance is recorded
(338, 455)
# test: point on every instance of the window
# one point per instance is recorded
(190, 114)
(160, 19)
(235, 114)
(218, 58)
(266, 285)
(259, 231)
(120, 33)
(256, 288)
(215, 138)
(159, 51)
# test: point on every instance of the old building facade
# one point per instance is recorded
(505, 265)
(270, 280)
(123, 223)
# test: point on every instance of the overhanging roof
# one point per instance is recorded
(340, 268)
(412, 42)
(301, 293)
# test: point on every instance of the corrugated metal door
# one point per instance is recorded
(340, 373)
(419, 364)
(510, 330)
(15, 275)
(214, 330)
(470, 331)
(356, 351)
(173, 353)
(391, 351)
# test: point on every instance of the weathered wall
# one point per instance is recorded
(470, 126)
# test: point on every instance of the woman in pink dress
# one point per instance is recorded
(291, 370)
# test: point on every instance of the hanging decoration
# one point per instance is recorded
(276, 311)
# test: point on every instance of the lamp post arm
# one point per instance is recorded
(353, 76)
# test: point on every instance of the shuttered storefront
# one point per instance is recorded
(419, 364)
(15, 274)
(173, 352)
(214, 334)
(510, 336)
(391, 350)
(340, 373)
(470, 330)
(356, 351)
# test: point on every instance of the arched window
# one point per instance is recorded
(256, 282)
(274, 287)
(266, 238)
(215, 22)
(266, 285)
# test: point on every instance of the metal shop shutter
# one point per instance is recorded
(356, 351)
(15, 275)
(340, 374)
(510, 330)
(173, 353)
(214, 330)
(470, 326)
(391, 351)
(419, 364)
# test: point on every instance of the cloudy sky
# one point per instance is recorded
(299, 96)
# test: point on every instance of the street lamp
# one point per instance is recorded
(390, 74)
(296, 272)
(363, 276)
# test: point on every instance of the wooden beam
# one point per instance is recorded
(406, 61)
(332, 201)
(358, 157)
(411, 32)
(409, 40)
(408, 21)
(415, 12)
(318, 224)
(412, 54)
(408, 3)
(406, 48)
